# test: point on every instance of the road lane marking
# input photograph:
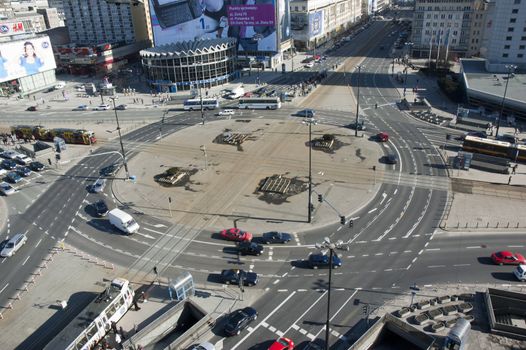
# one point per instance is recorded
(372, 210)
(435, 266)
(515, 246)
(4, 288)
(25, 261)
(457, 265)
(154, 231)
(264, 320)
(432, 249)
(473, 247)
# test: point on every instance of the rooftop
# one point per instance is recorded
(184, 48)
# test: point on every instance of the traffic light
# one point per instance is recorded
(351, 223)
(342, 220)
(311, 207)
(320, 198)
(448, 136)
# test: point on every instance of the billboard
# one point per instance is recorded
(315, 23)
(252, 22)
(11, 28)
(284, 19)
(25, 57)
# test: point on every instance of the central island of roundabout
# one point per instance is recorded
(253, 174)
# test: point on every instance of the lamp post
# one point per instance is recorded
(120, 139)
(161, 124)
(405, 80)
(357, 102)
(310, 121)
(409, 51)
(327, 245)
(511, 68)
(196, 65)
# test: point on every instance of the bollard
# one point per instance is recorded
(1, 316)
(466, 225)
(487, 225)
(32, 279)
(39, 272)
(458, 224)
(517, 225)
(477, 225)
(25, 288)
(112, 267)
(17, 297)
(10, 305)
(497, 225)
(508, 225)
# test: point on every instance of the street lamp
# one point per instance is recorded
(327, 245)
(196, 65)
(409, 51)
(120, 138)
(310, 121)
(357, 101)
(161, 124)
(405, 80)
(511, 68)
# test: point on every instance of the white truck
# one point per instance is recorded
(123, 221)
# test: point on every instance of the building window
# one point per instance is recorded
(515, 11)
(296, 8)
(508, 38)
(506, 47)
(511, 29)
(504, 55)
(513, 20)
(523, 38)
(517, 2)
(522, 47)
(520, 55)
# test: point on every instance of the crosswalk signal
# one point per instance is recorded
(351, 223)
(342, 220)
(364, 309)
(320, 198)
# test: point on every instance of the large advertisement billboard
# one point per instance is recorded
(22, 58)
(315, 23)
(252, 22)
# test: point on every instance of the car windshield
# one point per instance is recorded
(282, 342)
(10, 245)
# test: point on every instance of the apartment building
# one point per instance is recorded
(444, 25)
(314, 22)
(504, 36)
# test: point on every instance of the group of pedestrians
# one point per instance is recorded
(306, 86)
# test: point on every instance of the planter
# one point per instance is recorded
(423, 305)
(437, 327)
(465, 307)
(451, 322)
(449, 310)
(469, 318)
(433, 314)
(422, 319)
(454, 297)
(466, 297)
(403, 312)
(444, 299)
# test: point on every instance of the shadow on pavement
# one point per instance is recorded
(485, 260)
(504, 276)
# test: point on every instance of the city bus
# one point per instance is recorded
(487, 146)
(259, 103)
(92, 324)
(194, 104)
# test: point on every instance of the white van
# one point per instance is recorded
(123, 221)
(520, 272)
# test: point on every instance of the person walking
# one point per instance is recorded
(514, 169)
(509, 180)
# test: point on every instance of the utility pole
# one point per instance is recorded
(120, 140)
(511, 68)
(357, 102)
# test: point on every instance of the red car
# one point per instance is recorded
(508, 258)
(282, 344)
(382, 137)
(235, 234)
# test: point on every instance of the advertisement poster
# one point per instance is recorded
(315, 23)
(22, 58)
(252, 22)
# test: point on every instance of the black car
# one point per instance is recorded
(239, 320)
(23, 171)
(36, 166)
(391, 158)
(101, 209)
(8, 164)
(233, 276)
(250, 248)
(109, 170)
(322, 260)
(307, 113)
(276, 237)
(360, 126)
(31, 109)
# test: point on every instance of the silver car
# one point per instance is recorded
(13, 245)
(6, 189)
(99, 185)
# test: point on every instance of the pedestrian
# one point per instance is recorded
(137, 308)
(135, 328)
(114, 327)
(121, 332)
(509, 180)
(514, 169)
(90, 101)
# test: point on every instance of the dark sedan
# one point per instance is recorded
(13, 177)
(233, 277)
(360, 126)
(322, 261)
(36, 166)
(276, 237)
(23, 171)
(109, 170)
(101, 209)
(8, 164)
(238, 320)
(250, 248)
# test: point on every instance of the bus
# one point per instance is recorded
(259, 103)
(92, 324)
(194, 104)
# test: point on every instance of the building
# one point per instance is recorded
(261, 27)
(118, 31)
(504, 37)
(51, 17)
(444, 26)
(314, 22)
(27, 64)
(59, 6)
(190, 64)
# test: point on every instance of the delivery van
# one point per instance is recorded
(123, 221)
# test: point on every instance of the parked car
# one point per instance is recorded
(225, 112)
(276, 237)
(22, 159)
(121, 107)
(36, 166)
(98, 186)
(81, 108)
(8, 164)
(322, 260)
(282, 344)
(6, 189)
(13, 245)
(31, 109)
(250, 248)
(101, 209)
(235, 234)
(102, 107)
(233, 276)
(204, 346)
(23, 171)
(10, 154)
(238, 320)
(109, 170)
(13, 177)
(508, 258)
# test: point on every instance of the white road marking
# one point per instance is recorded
(4, 288)
(372, 210)
(25, 261)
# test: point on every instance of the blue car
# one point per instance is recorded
(8, 164)
(322, 261)
(23, 171)
(13, 177)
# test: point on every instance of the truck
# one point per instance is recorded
(123, 221)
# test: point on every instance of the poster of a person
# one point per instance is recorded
(29, 60)
(216, 10)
